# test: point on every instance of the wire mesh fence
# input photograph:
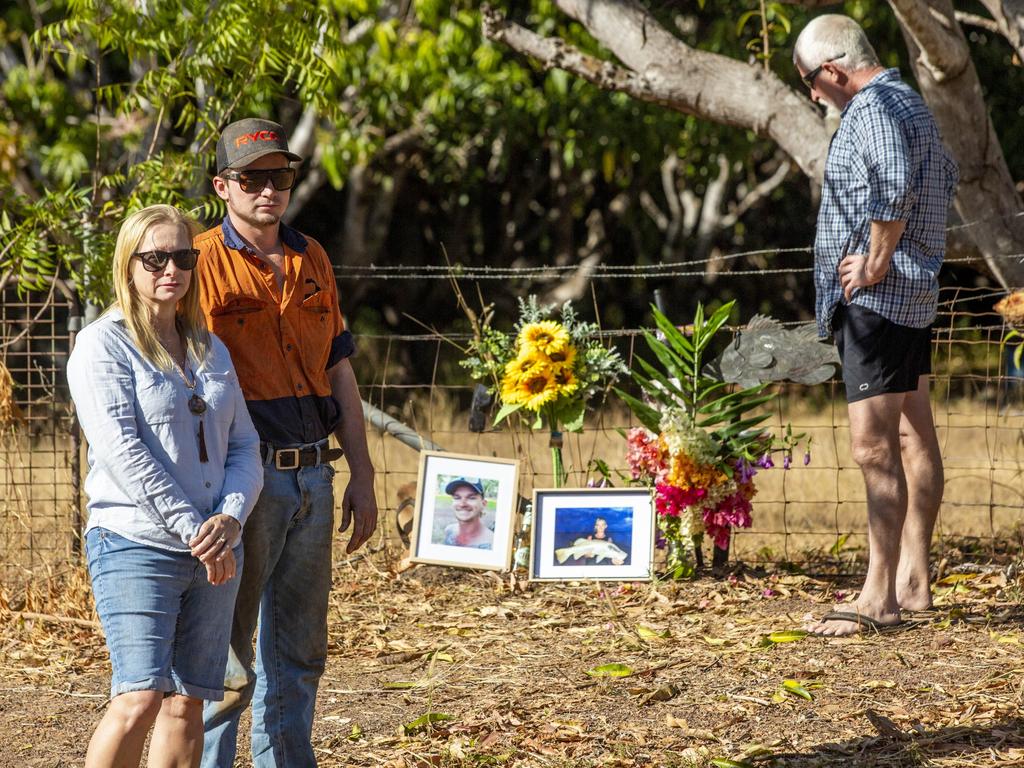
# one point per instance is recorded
(40, 473)
(800, 515)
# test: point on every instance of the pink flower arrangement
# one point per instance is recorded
(693, 494)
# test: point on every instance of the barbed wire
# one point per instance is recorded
(625, 271)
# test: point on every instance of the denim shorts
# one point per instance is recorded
(167, 628)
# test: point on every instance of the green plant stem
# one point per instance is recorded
(556, 465)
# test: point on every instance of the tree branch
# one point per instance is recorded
(1009, 19)
(943, 52)
(973, 20)
(555, 53)
(757, 194)
(702, 84)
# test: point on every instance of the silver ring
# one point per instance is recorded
(223, 540)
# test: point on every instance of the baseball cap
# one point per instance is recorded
(473, 482)
(245, 141)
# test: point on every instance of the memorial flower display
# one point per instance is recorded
(702, 442)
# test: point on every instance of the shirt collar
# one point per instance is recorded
(290, 237)
(891, 75)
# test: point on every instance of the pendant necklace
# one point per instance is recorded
(196, 404)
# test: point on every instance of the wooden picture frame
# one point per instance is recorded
(449, 489)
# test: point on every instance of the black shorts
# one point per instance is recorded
(879, 356)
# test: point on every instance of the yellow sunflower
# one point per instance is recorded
(565, 379)
(537, 388)
(546, 336)
(521, 366)
(510, 392)
(564, 357)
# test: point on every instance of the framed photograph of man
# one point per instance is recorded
(465, 511)
(592, 533)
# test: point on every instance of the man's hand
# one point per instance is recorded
(221, 569)
(859, 270)
(360, 504)
(854, 272)
(212, 541)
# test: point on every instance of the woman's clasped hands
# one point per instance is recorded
(212, 546)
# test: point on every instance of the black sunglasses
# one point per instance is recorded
(811, 76)
(255, 181)
(154, 261)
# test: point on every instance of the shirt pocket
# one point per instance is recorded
(237, 317)
(316, 327)
(157, 399)
(219, 394)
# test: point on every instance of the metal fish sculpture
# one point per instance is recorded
(765, 351)
(599, 549)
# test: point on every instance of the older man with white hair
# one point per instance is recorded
(879, 246)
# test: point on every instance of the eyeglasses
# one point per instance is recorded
(154, 261)
(811, 76)
(255, 181)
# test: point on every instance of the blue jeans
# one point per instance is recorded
(167, 627)
(285, 585)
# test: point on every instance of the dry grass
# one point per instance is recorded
(507, 664)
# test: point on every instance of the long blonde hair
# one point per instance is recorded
(188, 316)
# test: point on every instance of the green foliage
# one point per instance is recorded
(680, 383)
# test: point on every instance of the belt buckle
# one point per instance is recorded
(292, 453)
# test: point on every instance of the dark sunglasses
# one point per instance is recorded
(154, 261)
(811, 76)
(255, 181)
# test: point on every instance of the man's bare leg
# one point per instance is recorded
(875, 443)
(922, 464)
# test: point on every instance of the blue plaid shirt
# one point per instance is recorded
(885, 163)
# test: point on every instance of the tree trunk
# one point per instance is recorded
(987, 199)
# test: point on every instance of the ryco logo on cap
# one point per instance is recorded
(258, 136)
(245, 141)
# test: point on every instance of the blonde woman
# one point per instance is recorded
(174, 470)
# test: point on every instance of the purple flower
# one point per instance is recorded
(765, 462)
(807, 458)
(787, 460)
(768, 592)
(747, 471)
(659, 541)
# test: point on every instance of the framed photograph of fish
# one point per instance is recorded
(592, 533)
(465, 511)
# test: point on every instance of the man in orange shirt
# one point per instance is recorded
(269, 293)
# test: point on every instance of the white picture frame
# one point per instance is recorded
(444, 530)
(604, 534)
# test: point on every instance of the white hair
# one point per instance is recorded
(826, 37)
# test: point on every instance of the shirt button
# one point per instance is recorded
(206, 511)
(207, 485)
(299, 387)
(288, 347)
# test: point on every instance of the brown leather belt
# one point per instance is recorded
(293, 458)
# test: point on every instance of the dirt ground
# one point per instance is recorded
(509, 672)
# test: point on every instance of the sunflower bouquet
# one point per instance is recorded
(546, 369)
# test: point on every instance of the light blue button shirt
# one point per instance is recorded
(145, 479)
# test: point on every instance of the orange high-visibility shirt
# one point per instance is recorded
(282, 342)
